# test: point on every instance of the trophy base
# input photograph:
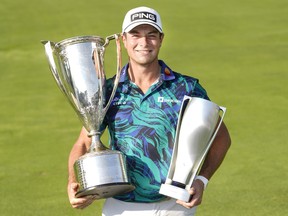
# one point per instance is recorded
(175, 192)
(102, 174)
(106, 190)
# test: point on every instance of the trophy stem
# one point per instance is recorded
(96, 145)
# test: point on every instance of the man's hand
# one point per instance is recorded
(196, 192)
(79, 203)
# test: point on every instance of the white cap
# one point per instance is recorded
(139, 16)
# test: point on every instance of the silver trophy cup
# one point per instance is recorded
(77, 65)
(198, 123)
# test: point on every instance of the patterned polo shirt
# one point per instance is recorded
(143, 127)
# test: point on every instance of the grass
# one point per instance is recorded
(238, 51)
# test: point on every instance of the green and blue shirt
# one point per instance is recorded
(143, 127)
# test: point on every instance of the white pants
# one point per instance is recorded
(113, 207)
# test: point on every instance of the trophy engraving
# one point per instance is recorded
(197, 127)
(77, 65)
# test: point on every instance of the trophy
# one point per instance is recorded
(77, 65)
(197, 127)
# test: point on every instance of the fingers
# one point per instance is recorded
(196, 197)
(79, 203)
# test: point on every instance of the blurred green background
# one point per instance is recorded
(238, 50)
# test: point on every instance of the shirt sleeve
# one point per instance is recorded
(199, 91)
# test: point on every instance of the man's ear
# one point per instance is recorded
(161, 38)
(124, 39)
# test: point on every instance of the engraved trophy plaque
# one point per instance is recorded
(198, 123)
(77, 65)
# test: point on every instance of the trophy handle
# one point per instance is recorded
(49, 46)
(96, 144)
(49, 51)
(119, 66)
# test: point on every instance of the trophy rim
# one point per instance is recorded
(80, 39)
(114, 189)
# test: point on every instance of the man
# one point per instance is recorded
(142, 120)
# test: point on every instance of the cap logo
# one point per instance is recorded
(143, 15)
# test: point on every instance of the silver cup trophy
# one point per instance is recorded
(198, 123)
(77, 65)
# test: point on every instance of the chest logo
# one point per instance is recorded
(168, 100)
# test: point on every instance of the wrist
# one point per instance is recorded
(203, 179)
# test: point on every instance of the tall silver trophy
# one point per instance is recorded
(198, 123)
(77, 65)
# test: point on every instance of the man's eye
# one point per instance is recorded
(152, 36)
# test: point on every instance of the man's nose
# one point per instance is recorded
(143, 41)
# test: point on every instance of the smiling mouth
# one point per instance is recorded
(143, 51)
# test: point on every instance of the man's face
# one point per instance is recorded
(143, 44)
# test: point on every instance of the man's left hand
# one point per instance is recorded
(196, 192)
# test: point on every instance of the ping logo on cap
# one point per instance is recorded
(143, 15)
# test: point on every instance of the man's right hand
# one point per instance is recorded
(78, 203)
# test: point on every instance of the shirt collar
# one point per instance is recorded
(166, 72)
